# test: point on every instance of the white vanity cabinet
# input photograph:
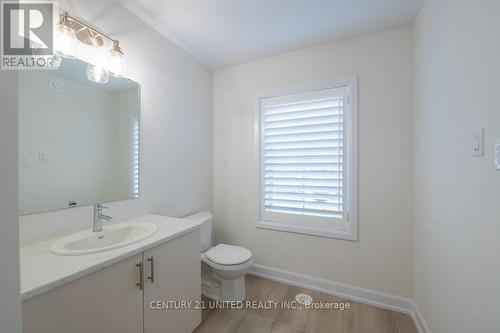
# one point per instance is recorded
(176, 273)
(116, 300)
(105, 301)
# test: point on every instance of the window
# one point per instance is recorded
(308, 161)
(135, 157)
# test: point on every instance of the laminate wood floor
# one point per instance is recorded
(266, 314)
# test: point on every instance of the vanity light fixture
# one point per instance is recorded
(117, 64)
(72, 31)
(65, 42)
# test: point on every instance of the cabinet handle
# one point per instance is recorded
(152, 262)
(141, 275)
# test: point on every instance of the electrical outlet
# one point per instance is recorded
(27, 161)
(42, 157)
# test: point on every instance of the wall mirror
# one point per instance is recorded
(78, 140)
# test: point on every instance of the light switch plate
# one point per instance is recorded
(42, 157)
(478, 142)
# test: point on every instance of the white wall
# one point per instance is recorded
(383, 258)
(10, 306)
(176, 124)
(456, 195)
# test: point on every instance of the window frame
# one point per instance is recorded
(307, 224)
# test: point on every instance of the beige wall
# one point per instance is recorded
(383, 258)
(457, 196)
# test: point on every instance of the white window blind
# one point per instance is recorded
(135, 157)
(304, 159)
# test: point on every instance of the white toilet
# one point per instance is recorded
(223, 267)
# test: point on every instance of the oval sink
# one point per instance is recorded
(112, 237)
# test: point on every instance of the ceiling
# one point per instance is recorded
(221, 33)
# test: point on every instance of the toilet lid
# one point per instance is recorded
(224, 254)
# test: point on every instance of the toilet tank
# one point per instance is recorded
(206, 228)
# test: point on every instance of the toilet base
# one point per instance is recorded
(226, 290)
(233, 290)
(220, 289)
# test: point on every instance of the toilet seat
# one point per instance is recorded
(223, 272)
(224, 254)
(229, 269)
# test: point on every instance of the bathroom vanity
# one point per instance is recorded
(112, 291)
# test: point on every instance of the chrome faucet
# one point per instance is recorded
(98, 217)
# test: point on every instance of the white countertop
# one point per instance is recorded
(42, 271)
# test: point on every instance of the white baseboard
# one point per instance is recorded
(419, 320)
(383, 300)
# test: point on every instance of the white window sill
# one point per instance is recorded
(307, 231)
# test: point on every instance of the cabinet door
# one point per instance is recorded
(176, 277)
(107, 301)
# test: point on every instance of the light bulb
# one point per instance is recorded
(116, 62)
(65, 41)
(97, 74)
(117, 65)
